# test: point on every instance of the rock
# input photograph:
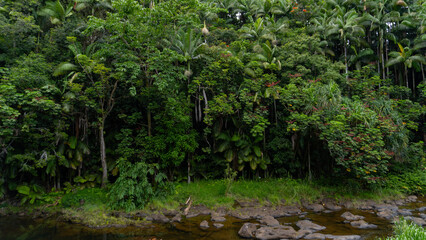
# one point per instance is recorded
(404, 212)
(204, 224)
(348, 204)
(315, 236)
(302, 233)
(388, 214)
(292, 210)
(422, 215)
(361, 224)
(269, 221)
(192, 214)
(240, 216)
(411, 198)
(351, 217)
(315, 207)
(216, 217)
(200, 209)
(248, 230)
(422, 209)
(218, 225)
(383, 207)
(308, 225)
(345, 237)
(177, 218)
(159, 218)
(416, 220)
(399, 202)
(279, 232)
(240, 203)
(332, 206)
(367, 205)
(170, 213)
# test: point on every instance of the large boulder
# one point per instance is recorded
(204, 224)
(351, 217)
(308, 225)
(315, 207)
(361, 224)
(269, 221)
(248, 230)
(279, 232)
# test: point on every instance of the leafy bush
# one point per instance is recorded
(92, 196)
(409, 182)
(405, 230)
(133, 189)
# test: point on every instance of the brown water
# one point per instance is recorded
(24, 228)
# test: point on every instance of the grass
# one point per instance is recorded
(212, 193)
(405, 230)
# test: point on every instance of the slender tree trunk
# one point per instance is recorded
(103, 154)
(387, 58)
(382, 55)
(406, 75)
(423, 73)
(414, 82)
(309, 159)
(346, 59)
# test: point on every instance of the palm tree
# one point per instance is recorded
(93, 5)
(56, 12)
(188, 44)
(409, 57)
(346, 26)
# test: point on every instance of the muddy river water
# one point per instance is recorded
(24, 228)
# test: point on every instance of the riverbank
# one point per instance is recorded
(241, 199)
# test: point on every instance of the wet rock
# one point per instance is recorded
(345, 237)
(218, 225)
(361, 224)
(399, 202)
(170, 213)
(388, 214)
(239, 215)
(315, 236)
(383, 207)
(269, 221)
(422, 209)
(292, 210)
(302, 233)
(315, 207)
(367, 205)
(411, 198)
(177, 218)
(308, 225)
(416, 220)
(218, 217)
(248, 230)
(243, 204)
(279, 232)
(160, 218)
(204, 224)
(192, 214)
(422, 215)
(351, 217)
(200, 209)
(404, 212)
(332, 207)
(347, 204)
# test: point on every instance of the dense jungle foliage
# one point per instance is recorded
(134, 95)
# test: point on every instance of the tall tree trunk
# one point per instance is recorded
(382, 55)
(406, 75)
(414, 82)
(103, 154)
(346, 58)
(423, 73)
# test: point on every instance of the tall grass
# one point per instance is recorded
(214, 193)
(405, 230)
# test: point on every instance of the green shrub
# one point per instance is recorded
(405, 230)
(409, 182)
